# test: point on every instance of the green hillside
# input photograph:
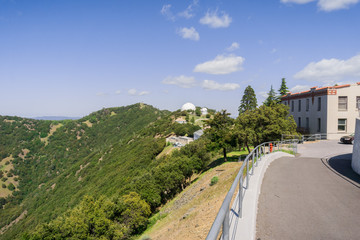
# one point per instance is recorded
(108, 156)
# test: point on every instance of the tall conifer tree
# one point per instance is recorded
(272, 98)
(248, 101)
(283, 89)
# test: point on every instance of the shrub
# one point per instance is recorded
(3, 185)
(11, 187)
(214, 180)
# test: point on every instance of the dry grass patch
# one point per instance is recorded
(191, 214)
(6, 165)
(53, 129)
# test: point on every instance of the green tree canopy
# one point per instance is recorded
(220, 132)
(266, 123)
(248, 101)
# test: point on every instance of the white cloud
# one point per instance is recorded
(134, 92)
(221, 65)
(165, 11)
(213, 20)
(181, 81)
(189, 33)
(100, 94)
(299, 88)
(117, 92)
(329, 70)
(188, 13)
(330, 5)
(142, 93)
(264, 95)
(233, 47)
(212, 85)
(326, 5)
(297, 1)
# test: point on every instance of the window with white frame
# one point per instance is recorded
(343, 103)
(342, 125)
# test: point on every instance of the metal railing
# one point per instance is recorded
(223, 216)
(306, 137)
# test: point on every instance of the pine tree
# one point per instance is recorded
(248, 101)
(272, 98)
(283, 89)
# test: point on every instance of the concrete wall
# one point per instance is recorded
(355, 163)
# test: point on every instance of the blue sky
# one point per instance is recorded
(70, 58)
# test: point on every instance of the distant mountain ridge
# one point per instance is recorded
(56, 118)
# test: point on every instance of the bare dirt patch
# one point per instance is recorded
(192, 212)
(88, 123)
(22, 215)
(53, 129)
(23, 153)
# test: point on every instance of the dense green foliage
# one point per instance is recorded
(248, 101)
(264, 124)
(220, 132)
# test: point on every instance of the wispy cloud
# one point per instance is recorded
(212, 85)
(221, 65)
(330, 70)
(326, 5)
(165, 11)
(101, 94)
(233, 47)
(299, 88)
(180, 81)
(213, 20)
(189, 33)
(134, 92)
(189, 12)
(117, 92)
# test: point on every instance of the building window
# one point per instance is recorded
(342, 125)
(299, 121)
(343, 103)
(358, 103)
(292, 106)
(307, 123)
(307, 104)
(319, 125)
(299, 108)
(319, 103)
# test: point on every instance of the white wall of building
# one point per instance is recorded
(355, 163)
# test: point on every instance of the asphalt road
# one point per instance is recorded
(313, 196)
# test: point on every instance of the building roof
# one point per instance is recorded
(315, 91)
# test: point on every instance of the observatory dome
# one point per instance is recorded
(188, 106)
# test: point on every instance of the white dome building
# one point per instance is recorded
(204, 111)
(188, 106)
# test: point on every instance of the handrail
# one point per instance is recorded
(222, 218)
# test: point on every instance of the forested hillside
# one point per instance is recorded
(109, 155)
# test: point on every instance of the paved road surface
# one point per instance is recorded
(314, 196)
